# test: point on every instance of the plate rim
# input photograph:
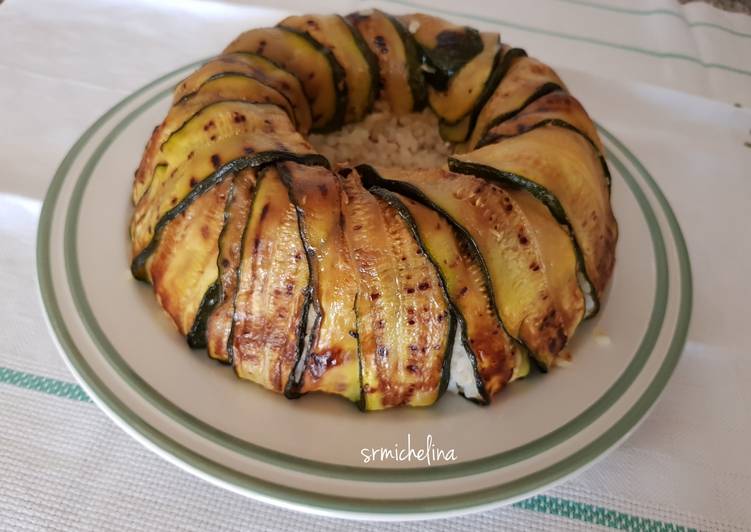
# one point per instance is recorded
(265, 489)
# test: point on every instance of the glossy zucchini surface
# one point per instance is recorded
(495, 357)
(321, 75)
(330, 363)
(404, 324)
(273, 292)
(527, 256)
(564, 171)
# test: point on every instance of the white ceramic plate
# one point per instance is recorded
(308, 454)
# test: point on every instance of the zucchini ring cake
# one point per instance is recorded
(374, 206)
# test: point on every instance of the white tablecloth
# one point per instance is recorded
(670, 76)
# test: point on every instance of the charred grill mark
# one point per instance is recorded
(380, 44)
(551, 326)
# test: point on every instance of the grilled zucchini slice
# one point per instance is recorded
(184, 264)
(459, 131)
(321, 75)
(273, 291)
(401, 81)
(229, 87)
(220, 305)
(330, 363)
(563, 170)
(526, 80)
(466, 86)
(558, 108)
(495, 357)
(404, 327)
(445, 47)
(256, 67)
(359, 64)
(528, 257)
(217, 135)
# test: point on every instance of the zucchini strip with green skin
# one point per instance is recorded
(398, 61)
(526, 80)
(273, 292)
(465, 87)
(559, 107)
(445, 47)
(496, 358)
(523, 128)
(219, 133)
(193, 88)
(528, 257)
(138, 264)
(330, 363)
(256, 67)
(236, 87)
(213, 322)
(321, 75)
(460, 130)
(564, 171)
(360, 65)
(183, 266)
(405, 327)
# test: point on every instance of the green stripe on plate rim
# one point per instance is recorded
(546, 504)
(569, 36)
(269, 490)
(308, 466)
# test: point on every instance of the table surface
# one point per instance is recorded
(676, 85)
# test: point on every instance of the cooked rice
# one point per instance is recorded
(384, 139)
